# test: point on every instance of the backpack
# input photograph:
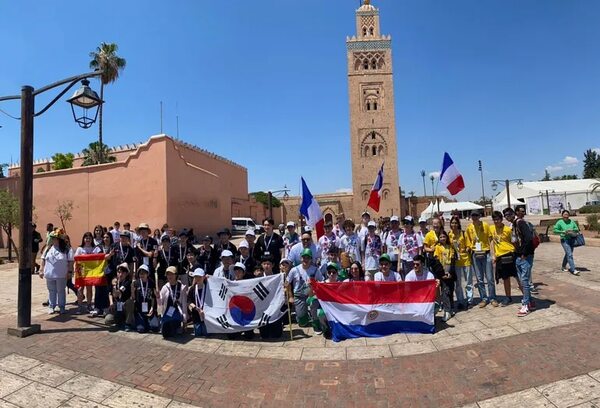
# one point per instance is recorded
(535, 240)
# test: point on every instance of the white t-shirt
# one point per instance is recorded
(57, 263)
(221, 273)
(412, 276)
(296, 251)
(392, 244)
(351, 245)
(326, 242)
(409, 245)
(392, 277)
(84, 251)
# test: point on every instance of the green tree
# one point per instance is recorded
(263, 198)
(566, 177)
(105, 59)
(96, 153)
(9, 215)
(63, 161)
(591, 164)
(546, 176)
(2, 166)
(64, 212)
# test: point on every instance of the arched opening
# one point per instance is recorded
(371, 31)
(374, 150)
(364, 30)
(366, 151)
(365, 195)
(386, 194)
(373, 63)
(366, 64)
(368, 105)
(380, 150)
(375, 105)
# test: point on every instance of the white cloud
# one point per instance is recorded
(569, 161)
(435, 174)
(552, 169)
(343, 190)
(596, 149)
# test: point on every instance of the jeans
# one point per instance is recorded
(464, 273)
(524, 273)
(301, 309)
(567, 245)
(56, 292)
(484, 271)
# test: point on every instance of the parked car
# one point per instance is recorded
(239, 225)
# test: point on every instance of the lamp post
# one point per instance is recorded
(507, 186)
(480, 167)
(285, 192)
(83, 98)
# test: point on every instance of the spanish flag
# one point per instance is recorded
(89, 270)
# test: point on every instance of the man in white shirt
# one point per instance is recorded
(225, 270)
(386, 274)
(116, 231)
(363, 228)
(419, 272)
(306, 242)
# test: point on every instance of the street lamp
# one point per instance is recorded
(507, 186)
(285, 197)
(84, 98)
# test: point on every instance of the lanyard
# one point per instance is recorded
(200, 300)
(268, 244)
(126, 253)
(144, 290)
(181, 258)
(173, 296)
(165, 256)
(145, 244)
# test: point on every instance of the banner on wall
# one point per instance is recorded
(556, 203)
(534, 205)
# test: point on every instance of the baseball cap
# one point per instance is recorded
(125, 234)
(172, 269)
(394, 218)
(408, 220)
(365, 213)
(306, 252)
(226, 252)
(243, 244)
(123, 266)
(165, 238)
(291, 224)
(422, 220)
(207, 238)
(224, 231)
(184, 232)
(372, 224)
(333, 265)
(285, 260)
(239, 265)
(144, 268)
(251, 232)
(308, 228)
(198, 272)
(385, 258)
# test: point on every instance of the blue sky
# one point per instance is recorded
(513, 83)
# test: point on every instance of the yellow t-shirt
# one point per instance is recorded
(444, 254)
(479, 235)
(430, 239)
(502, 239)
(461, 246)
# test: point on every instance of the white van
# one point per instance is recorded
(239, 225)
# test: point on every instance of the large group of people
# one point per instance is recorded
(155, 280)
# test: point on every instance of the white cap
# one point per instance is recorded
(198, 272)
(244, 244)
(394, 218)
(144, 268)
(285, 260)
(239, 265)
(308, 228)
(251, 232)
(422, 219)
(226, 252)
(290, 224)
(372, 224)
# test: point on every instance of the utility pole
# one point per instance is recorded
(482, 188)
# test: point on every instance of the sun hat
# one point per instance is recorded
(143, 225)
(172, 269)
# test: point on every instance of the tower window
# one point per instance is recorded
(366, 64)
(364, 31)
(368, 106)
(373, 64)
(380, 150)
(371, 31)
(373, 136)
(374, 150)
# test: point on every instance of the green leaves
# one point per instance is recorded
(62, 161)
(97, 153)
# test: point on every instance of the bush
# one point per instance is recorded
(593, 222)
(589, 209)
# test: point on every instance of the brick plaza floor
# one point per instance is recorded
(481, 358)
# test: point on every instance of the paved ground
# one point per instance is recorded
(478, 356)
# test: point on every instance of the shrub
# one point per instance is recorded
(593, 222)
(589, 209)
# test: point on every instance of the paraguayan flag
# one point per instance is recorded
(234, 306)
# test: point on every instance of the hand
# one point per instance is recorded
(437, 283)
(150, 313)
(201, 313)
(494, 260)
(41, 275)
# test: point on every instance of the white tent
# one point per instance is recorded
(445, 207)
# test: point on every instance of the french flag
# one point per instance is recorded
(450, 177)
(311, 211)
(375, 197)
(376, 309)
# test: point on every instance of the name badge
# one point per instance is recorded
(144, 307)
(119, 306)
(396, 250)
(170, 311)
(146, 261)
(267, 253)
(478, 246)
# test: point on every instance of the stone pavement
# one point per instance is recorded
(480, 354)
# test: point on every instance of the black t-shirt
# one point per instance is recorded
(182, 261)
(174, 295)
(249, 263)
(220, 248)
(123, 253)
(208, 259)
(35, 243)
(191, 298)
(166, 258)
(271, 246)
(122, 290)
(148, 245)
(144, 292)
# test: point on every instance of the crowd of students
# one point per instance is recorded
(156, 280)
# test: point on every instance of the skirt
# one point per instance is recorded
(505, 267)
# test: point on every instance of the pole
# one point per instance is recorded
(548, 201)
(507, 182)
(482, 188)
(26, 197)
(270, 205)
(286, 290)
(9, 242)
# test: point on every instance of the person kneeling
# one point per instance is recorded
(121, 310)
(173, 302)
(144, 295)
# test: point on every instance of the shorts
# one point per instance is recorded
(505, 267)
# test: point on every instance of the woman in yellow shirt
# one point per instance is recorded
(479, 238)
(444, 253)
(464, 271)
(503, 256)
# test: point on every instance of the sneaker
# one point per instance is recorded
(563, 269)
(531, 305)
(447, 316)
(318, 332)
(534, 290)
(506, 302)
(523, 311)
(50, 310)
(494, 303)
(94, 313)
(482, 304)
(576, 273)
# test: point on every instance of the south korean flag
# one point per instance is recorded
(235, 306)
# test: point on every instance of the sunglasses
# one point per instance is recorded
(417, 264)
(305, 239)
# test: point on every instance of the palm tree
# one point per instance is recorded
(97, 153)
(424, 189)
(105, 59)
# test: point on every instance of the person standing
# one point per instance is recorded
(124, 252)
(479, 237)
(36, 239)
(164, 257)
(568, 230)
(145, 249)
(269, 244)
(246, 259)
(225, 270)
(208, 259)
(290, 238)
(297, 280)
(372, 246)
(392, 242)
(224, 244)
(87, 247)
(522, 236)
(463, 268)
(338, 228)
(444, 253)
(56, 263)
(363, 228)
(328, 240)
(350, 245)
(102, 292)
(503, 254)
(116, 231)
